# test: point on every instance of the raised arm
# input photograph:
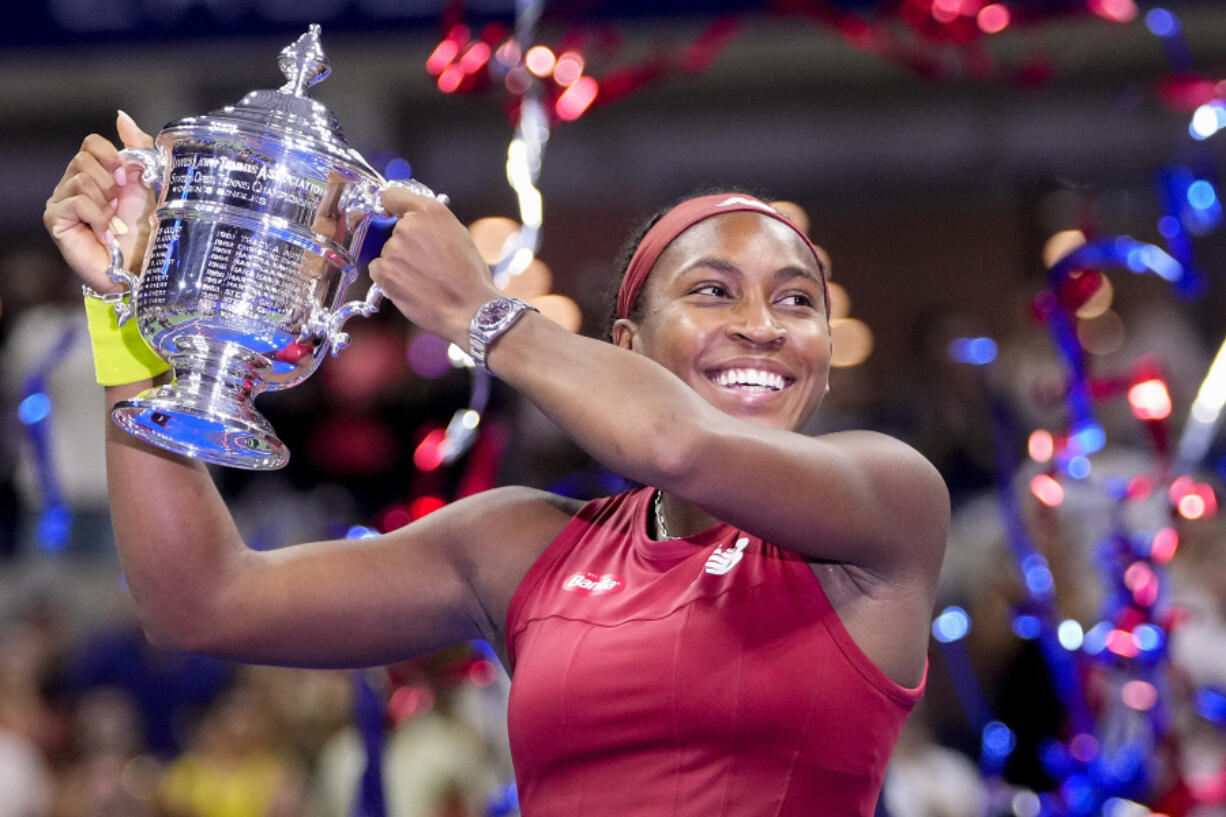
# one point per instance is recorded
(442, 579)
(435, 582)
(857, 498)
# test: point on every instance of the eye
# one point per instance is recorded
(797, 299)
(714, 290)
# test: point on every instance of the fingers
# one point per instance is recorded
(399, 201)
(88, 196)
(98, 160)
(69, 215)
(130, 133)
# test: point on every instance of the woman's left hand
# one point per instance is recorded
(430, 268)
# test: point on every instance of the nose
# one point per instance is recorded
(754, 321)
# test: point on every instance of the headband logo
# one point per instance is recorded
(731, 200)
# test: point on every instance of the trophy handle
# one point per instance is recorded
(366, 307)
(370, 304)
(116, 272)
(150, 161)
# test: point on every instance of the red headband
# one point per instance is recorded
(684, 216)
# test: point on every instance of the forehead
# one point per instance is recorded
(745, 238)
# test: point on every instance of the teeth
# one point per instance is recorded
(750, 378)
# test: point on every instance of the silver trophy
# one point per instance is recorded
(262, 209)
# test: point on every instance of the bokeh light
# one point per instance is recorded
(998, 740)
(951, 625)
(568, 68)
(1027, 627)
(1139, 695)
(1037, 575)
(1201, 195)
(975, 351)
(442, 56)
(1061, 244)
(576, 99)
(1164, 545)
(993, 19)
(1207, 120)
(1150, 400)
(1191, 506)
(34, 408)
(1122, 643)
(1040, 445)
(534, 280)
(1140, 578)
(852, 342)
(540, 60)
(1070, 634)
(560, 309)
(425, 505)
(1161, 23)
(1084, 747)
(475, 58)
(840, 301)
(427, 355)
(1149, 637)
(1078, 467)
(394, 517)
(1047, 490)
(946, 11)
(429, 453)
(1117, 11)
(1100, 301)
(449, 81)
(492, 236)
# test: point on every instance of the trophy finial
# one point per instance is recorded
(303, 63)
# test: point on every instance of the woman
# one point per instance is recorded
(744, 637)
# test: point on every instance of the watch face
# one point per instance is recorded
(495, 311)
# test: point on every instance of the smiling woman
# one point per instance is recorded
(742, 636)
(742, 297)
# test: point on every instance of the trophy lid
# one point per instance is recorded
(288, 113)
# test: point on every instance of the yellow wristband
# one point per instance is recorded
(120, 353)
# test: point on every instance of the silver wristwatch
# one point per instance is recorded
(492, 319)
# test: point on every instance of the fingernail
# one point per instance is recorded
(118, 226)
(124, 116)
(121, 176)
(108, 236)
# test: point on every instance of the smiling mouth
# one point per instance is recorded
(750, 380)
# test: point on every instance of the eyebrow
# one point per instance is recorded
(783, 273)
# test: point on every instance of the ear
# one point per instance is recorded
(624, 333)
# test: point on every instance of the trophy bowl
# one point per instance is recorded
(261, 212)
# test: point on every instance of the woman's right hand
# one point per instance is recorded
(97, 199)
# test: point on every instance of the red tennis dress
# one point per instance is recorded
(699, 677)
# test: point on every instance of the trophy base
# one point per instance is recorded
(207, 417)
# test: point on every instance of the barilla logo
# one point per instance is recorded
(589, 584)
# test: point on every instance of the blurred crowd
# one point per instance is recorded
(98, 723)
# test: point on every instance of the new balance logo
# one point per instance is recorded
(589, 584)
(724, 559)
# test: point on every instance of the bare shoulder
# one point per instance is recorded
(498, 535)
(513, 513)
(907, 493)
(881, 452)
